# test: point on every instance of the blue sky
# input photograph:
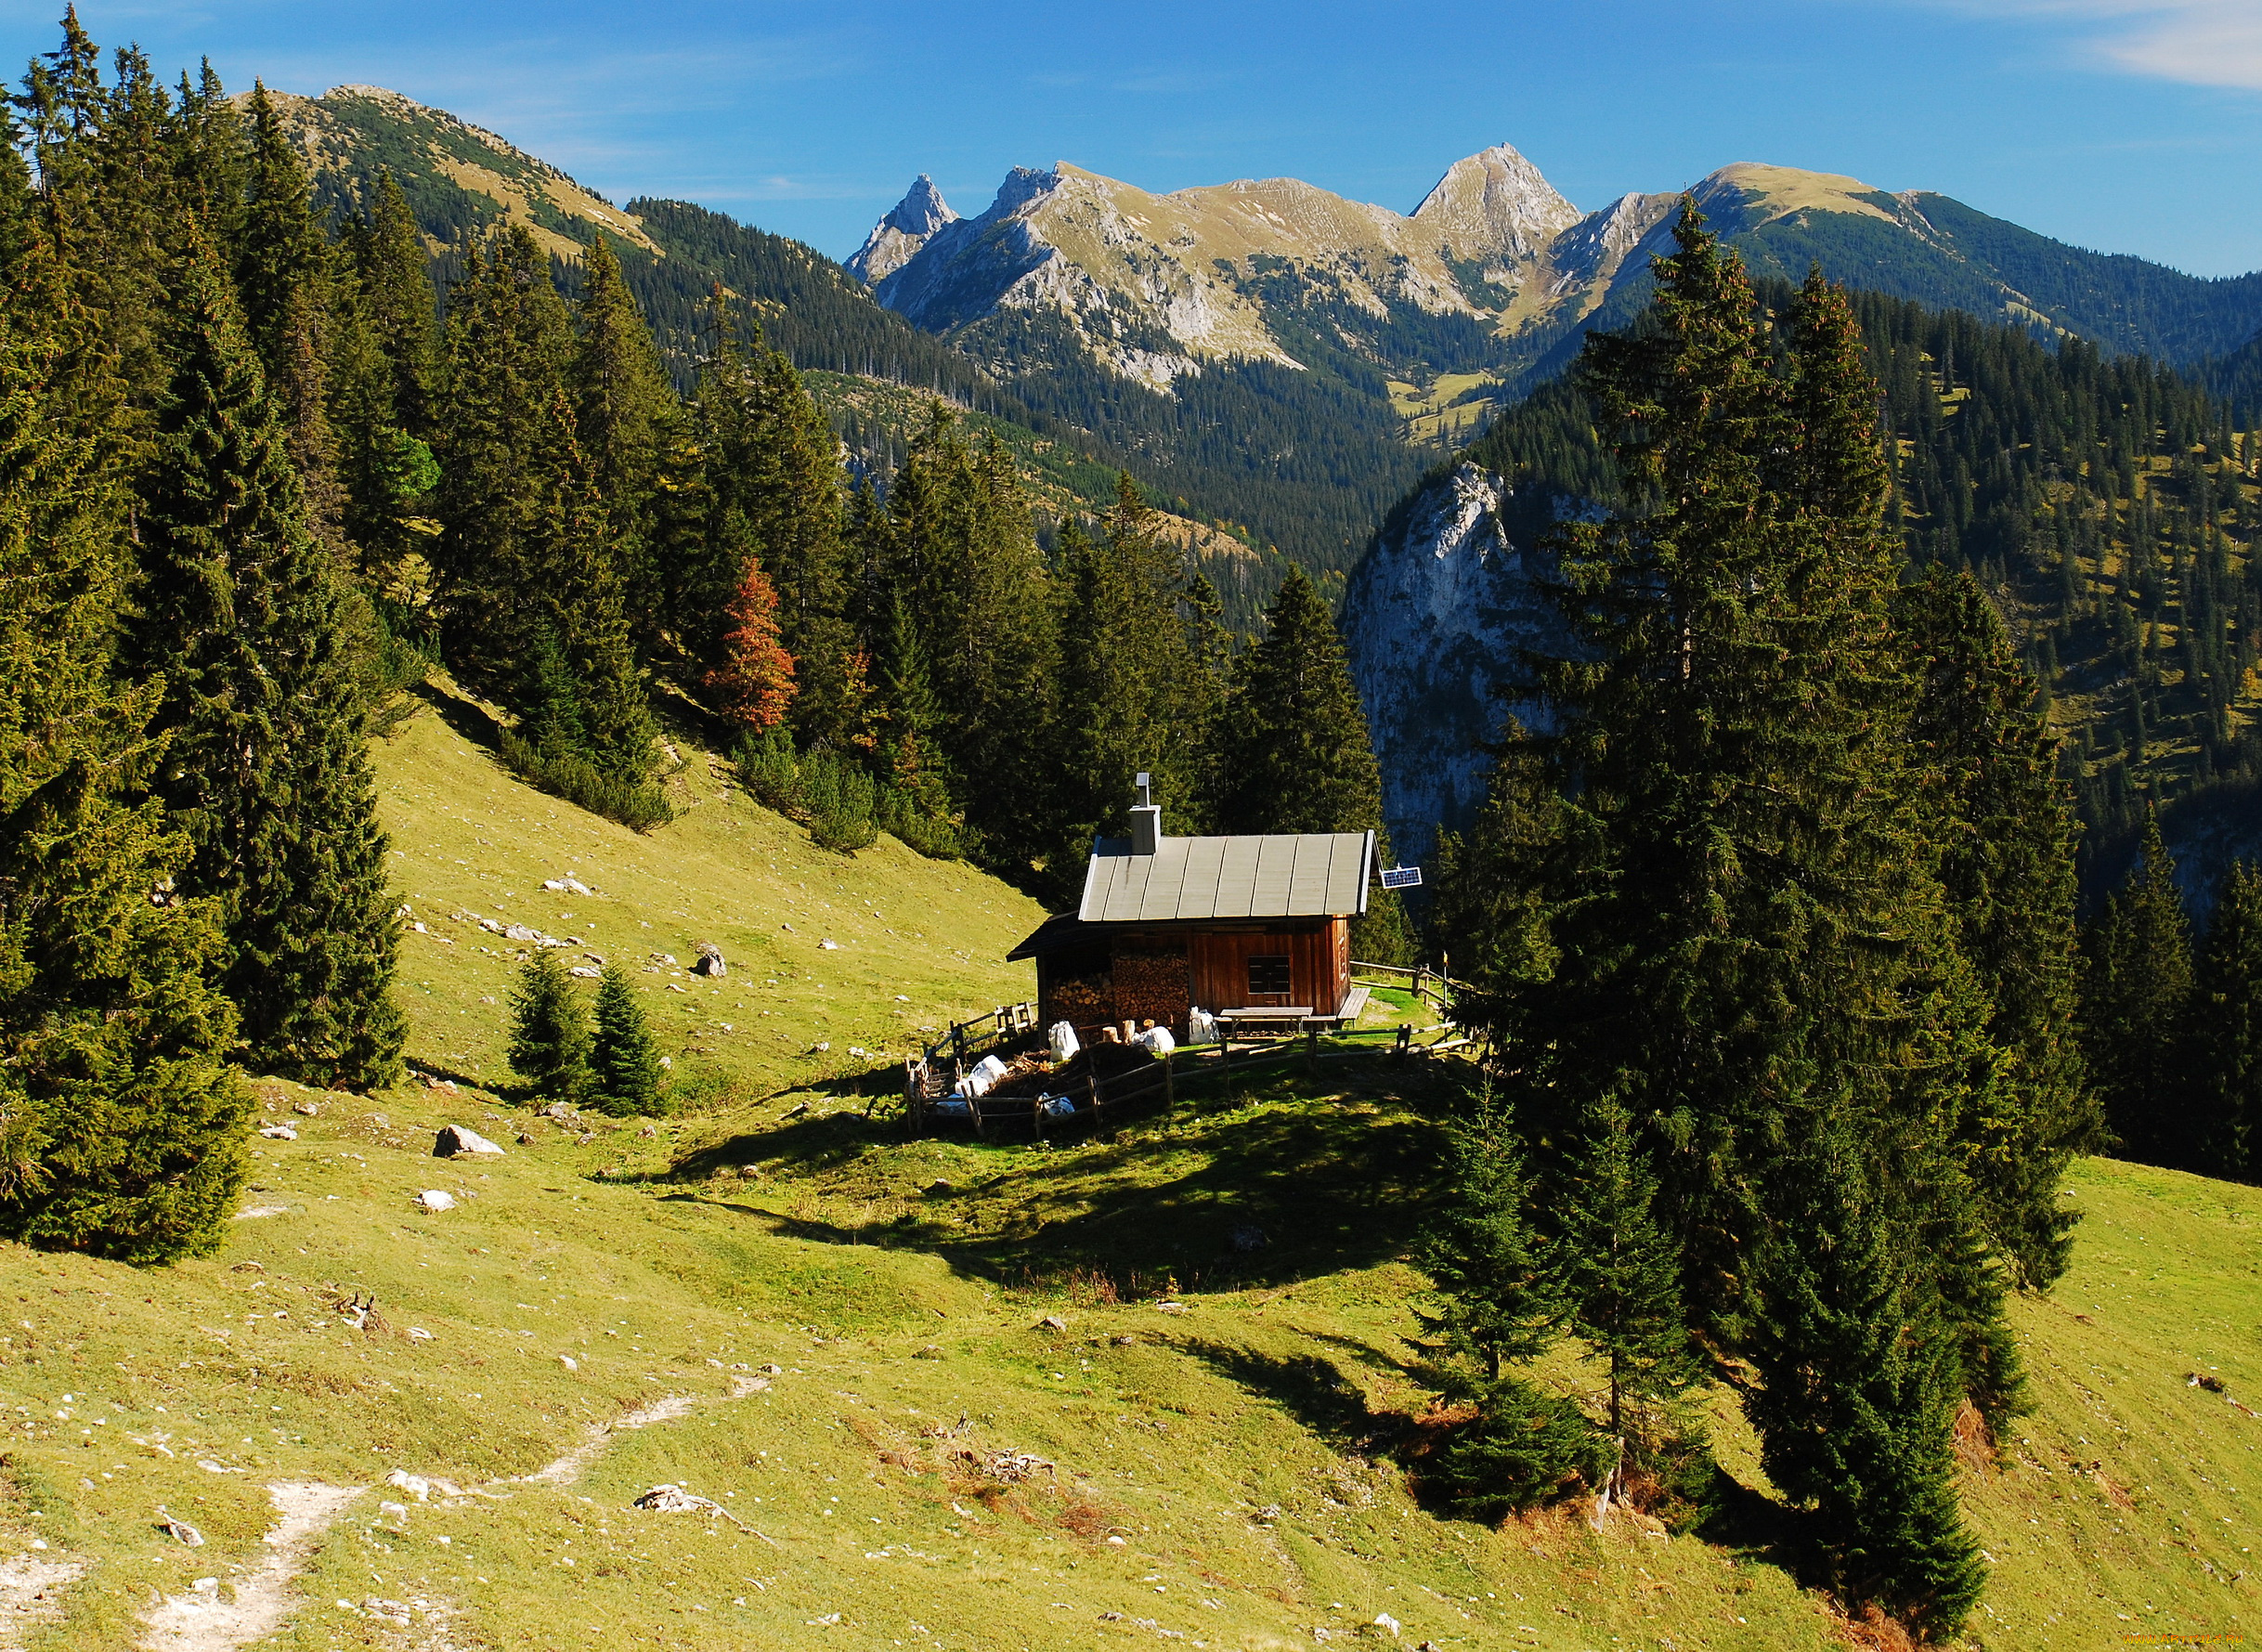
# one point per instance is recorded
(2131, 125)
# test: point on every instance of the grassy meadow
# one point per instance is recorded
(930, 1388)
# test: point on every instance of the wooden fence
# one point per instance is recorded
(928, 1081)
(1432, 986)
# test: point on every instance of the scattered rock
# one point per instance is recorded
(1119, 1544)
(798, 1108)
(308, 1108)
(569, 1362)
(393, 1511)
(929, 1352)
(457, 1141)
(524, 1139)
(1384, 1620)
(560, 1110)
(418, 1333)
(774, 1368)
(711, 960)
(1123, 1342)
(278, 1132)
(674, 1499)
(416, 1485)
(520, 933)
(648, 1132)
(181, 1532)
(1052, 1323)
(788, 927)
(247, 1267)
(1248, 1236)
(1170, 1307)
(586, 972)
(665, 959)
(434, 1199)
(572, 885)
(902, 997)
(585, 1139)
(254, 1211)
(1016, 1466)
(749, 1172)
(828, 945)
(937, 1188)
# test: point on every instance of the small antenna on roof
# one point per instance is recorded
(1145, 782)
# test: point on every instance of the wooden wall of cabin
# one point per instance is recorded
(1319, 953)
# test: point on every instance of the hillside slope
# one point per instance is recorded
(926, 1386)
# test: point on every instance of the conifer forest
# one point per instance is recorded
(1820, 918)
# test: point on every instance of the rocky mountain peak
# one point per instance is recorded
(897, 237)
(1495, 208)
(922, 211)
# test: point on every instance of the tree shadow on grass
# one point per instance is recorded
(461, 713)
(1311, 1389)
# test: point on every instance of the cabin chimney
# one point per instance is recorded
(1146, 818)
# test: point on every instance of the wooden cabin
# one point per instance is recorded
(1167, 924)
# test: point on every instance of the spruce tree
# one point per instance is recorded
(241, 612)
(549, 1043)
(2225, 1054)
(122, 1120)
(1857, 1387)
(283, 276)
(1496, 1303)
(2136, 993)
(1619, 1270)
(2002, 830)
(624, 409)
(624, 1061)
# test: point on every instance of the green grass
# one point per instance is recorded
(1246, 1452)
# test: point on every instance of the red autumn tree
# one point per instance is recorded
(754, 683)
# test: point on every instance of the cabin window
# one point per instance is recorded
(1268, 976)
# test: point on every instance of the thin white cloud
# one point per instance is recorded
(2206, 43)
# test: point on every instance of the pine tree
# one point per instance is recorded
(1619, 1276)
(1495, 1303)
(753, 685)
(549, 1042)
(2225, 1037)
(282, 267)
(2136, 993)
(624, 1062)
(380, 374)
(624, 409)
(2002, 832)
(241, 613)
(958, 544)
(1857, 1389)
(122, 1121)
(1133, 692)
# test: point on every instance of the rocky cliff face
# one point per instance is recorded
(896, 239)
(1495, 210)
(1436, 620)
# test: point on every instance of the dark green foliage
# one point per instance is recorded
(549, 1046)
(1524, 1447)
(844, 805)
(1495, 1302)
(2002, 831)
(1136, 689)
(1619, 1270)
(2134, 994)
(1709, 901)
(1294, 753)
(124, 1121)
(241, 613)
(2224, 1055)
(1857, 1387)
(624, 1062)
(2097, 496)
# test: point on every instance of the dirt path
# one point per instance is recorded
(205, 1623)
(32, 1594)
(567, 1469)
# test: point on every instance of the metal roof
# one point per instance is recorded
(1299, 875)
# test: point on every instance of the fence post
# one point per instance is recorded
(1170, 1088)
(1311, 1047)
